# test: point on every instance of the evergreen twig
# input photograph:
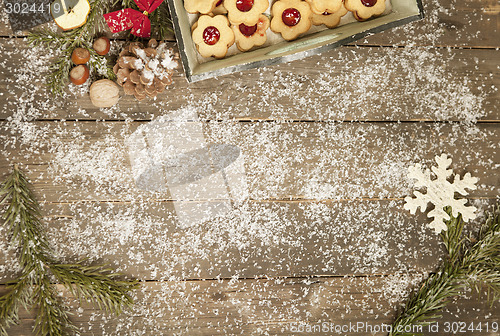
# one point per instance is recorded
(96, 284)
(67, 41)
(472, 263)
(18, 295)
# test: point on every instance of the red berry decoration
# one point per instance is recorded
(244, 5)
(247, 30)
(211, 35)
(290, 17)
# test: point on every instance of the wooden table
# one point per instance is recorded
(326, 142)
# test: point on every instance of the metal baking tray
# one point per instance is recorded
(402, 12)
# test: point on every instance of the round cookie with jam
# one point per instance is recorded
(331, 20)
(212, 35)
(245, 11)
(325, 6)
(200, 6)
(365, 9)
(248, 37)
(291, 18)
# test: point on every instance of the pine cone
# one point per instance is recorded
(145, 71)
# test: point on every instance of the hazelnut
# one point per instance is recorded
(102, 45)
(79, 74)
(80, 56)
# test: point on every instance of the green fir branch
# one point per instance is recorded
(452, 237)
(424, 306)
(472, 263)
(52, 317)
(18, 294)
(67, 41)
(96, 284)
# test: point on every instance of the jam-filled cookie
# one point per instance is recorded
(322, 6)
(291, 18)
(248, 37)
(330, 20)
(219, 8)
(200, 6)
(245, 11)
(212, 35)
(365, 9)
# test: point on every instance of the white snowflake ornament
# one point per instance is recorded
(440, 193)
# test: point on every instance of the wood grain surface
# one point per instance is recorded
(254, 307)
(325, 141)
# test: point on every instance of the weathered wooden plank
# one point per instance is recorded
(147, 240)
(343, 84)
(77, 161)
(268, 307)
(468, 23)
(471, 23)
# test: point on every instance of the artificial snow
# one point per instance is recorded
(325, 188)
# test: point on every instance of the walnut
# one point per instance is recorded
(104, 93)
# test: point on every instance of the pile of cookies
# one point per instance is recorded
(223, 22)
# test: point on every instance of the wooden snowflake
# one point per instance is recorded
(440, 193)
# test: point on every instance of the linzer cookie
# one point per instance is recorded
(200, 6)
(248, 37)
(331, 20)
(365, 9)
(212, 35)
(219, 8)
(324, 6)
(290, 18)
(245, 11)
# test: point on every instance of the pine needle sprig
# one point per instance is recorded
(96, 284)
(452, 237)
(24, 221)
(471, 263)
(52, 317)
(67, 41)
(481, 262)
(425, 305)
(18, 294)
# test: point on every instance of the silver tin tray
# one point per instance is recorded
(403, 12)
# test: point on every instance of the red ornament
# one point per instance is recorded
(129, 18)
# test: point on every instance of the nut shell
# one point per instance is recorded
(102, 45)
(104, 93)
(80, 56)
(79, 74)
